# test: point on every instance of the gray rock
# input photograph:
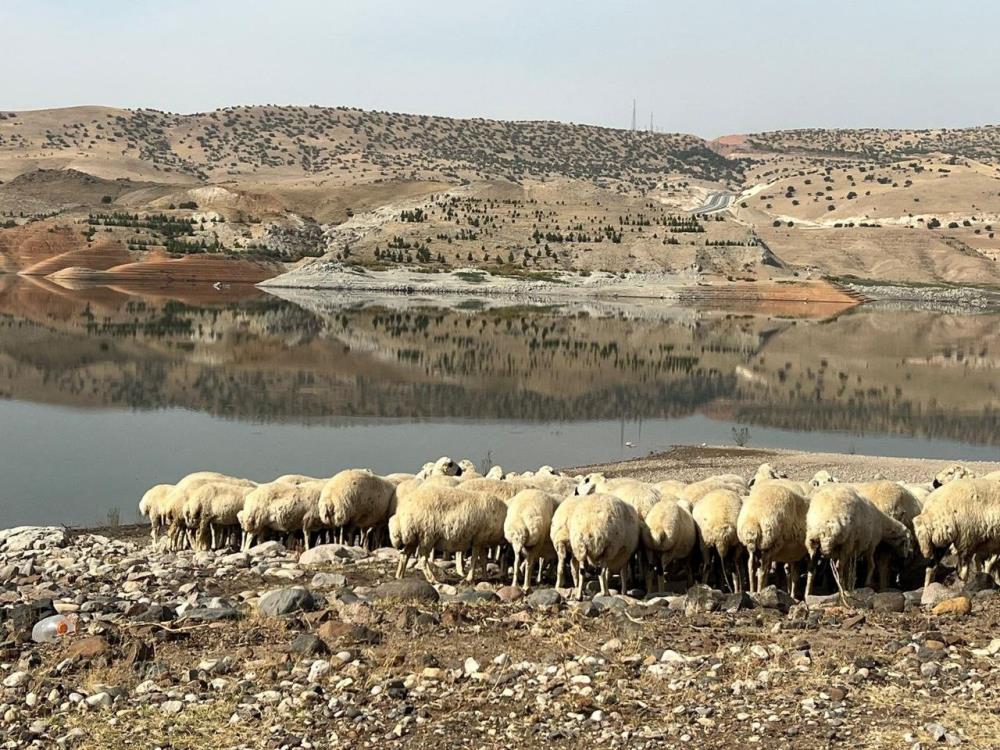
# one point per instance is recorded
(774, 598)
(266, 549)
(471, 596)
(100, 700)
(889, 601)
(935, 594)
(328, 553)
(307, 644)
(544, 598)
(328, 581)
(701, 598)
(155, 613)
(22, 538)
(936, 731)
(288, 601)
(172, 707)
(610, 602)
(407, 590)
(737, 602)
(210, 614)
(823, 600)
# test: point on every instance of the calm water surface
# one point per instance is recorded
(108, 391)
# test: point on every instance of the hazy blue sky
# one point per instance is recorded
(705, 68)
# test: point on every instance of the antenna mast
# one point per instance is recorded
(633, 115)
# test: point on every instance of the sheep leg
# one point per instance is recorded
(477, 553)
(602, 578)
(529, 566)
(404, 560)
(459, 565)
(810, 574)
(792, 573)
(517, 566)
(751, 571)
(560, 568)
(577, 571)
(835, 566)
(706, 564)
(541, 568)
(424, 557)
(725, 575)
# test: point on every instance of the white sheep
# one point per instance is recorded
(842, 526)
(640, 495)
(527, 528)
(284, 508)
(772, 526)
(896, 502)
(559, 535)
(668, 534)
(153, 506)
(951, 473)
(172, 506)
(211, 511)
(694, 492)
(716, 516)
(603, 533)
(356, 499)
(451, 519)
(962, 516)
(444, 466)
(397, 478)
(295, 479)
(670, 487)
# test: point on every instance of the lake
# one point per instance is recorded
(106, 391)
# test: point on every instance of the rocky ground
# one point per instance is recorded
(270, 649)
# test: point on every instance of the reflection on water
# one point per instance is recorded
(325, 369)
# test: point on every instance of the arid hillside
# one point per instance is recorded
(104, 194)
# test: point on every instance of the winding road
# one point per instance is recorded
(715, 202)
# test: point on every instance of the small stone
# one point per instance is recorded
(888, 601)
(960, 606)
(936, 731)
(319, 669)
(935, 594)
(543, 598)
(172, 707)
(282, 602)
(471, 666)
(701, 598)
(17, 679)
(99, 700)
(406, 590)
(774, 598)
(307, 644)
(510, 593)
(328, 581)
(836, 693)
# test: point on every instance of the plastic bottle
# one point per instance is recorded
(52, 628)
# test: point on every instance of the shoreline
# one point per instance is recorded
(271, 647)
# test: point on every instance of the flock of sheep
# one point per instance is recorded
(733, 532)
